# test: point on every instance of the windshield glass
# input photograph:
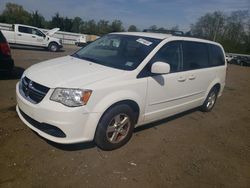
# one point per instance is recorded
(124, 52)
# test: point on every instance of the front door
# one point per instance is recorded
(166, 93)
(38, 38)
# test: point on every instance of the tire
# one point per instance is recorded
(115, 128)
(53, 47)
(210, 100)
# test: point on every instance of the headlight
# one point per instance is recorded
(71, 97)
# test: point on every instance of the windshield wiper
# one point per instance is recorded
(88, 59)
(84, 58)
(75, 55)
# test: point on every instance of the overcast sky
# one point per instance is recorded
(142, 13)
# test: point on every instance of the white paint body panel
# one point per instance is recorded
(157, 97)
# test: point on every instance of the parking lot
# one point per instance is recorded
(193, 149)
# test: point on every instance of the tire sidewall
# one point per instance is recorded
(204, 107)
(53, 44)
(100, 135)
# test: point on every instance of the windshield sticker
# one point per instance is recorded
(143, 41)
(129, 63)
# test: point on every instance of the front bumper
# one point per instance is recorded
(77, 124)
(60, 46)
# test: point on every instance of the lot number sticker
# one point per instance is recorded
(143, 41)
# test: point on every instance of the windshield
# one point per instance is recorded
(119, 51)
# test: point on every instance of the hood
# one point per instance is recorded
(69, 72)
(52, 31)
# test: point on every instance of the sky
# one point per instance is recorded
(142, 13)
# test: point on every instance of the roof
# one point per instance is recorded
(25, 25)
(163, 36)
(146, 34)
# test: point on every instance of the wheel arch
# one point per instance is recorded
(51, 42)
(131, 103)
(216, 84)
(218, 87)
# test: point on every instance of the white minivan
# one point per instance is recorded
(118, 82)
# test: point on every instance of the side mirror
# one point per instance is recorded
(160, 68)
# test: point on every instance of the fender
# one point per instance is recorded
(118, 96)
(211, 85)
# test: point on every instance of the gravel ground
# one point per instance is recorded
(192, 149)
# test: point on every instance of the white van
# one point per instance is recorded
(118, 82)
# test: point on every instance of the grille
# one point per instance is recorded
(32, 91)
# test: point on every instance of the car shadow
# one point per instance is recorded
(34, 49)
(14, 75)
(88, 145)
(163, 121)
(72, 147)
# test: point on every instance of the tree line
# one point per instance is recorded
(231, 30)
(14, 13)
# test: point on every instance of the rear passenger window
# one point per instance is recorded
(195, 55)
(24, 29)
(170, 53)
(216, 56)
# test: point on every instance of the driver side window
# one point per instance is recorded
(37, 32)
(170, 53)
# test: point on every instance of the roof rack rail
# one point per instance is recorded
(172, 32)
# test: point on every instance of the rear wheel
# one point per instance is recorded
(115, 127)
(210, 100)
(53, 47)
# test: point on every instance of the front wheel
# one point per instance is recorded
(210, 100)
(53, 47)
(115, 127)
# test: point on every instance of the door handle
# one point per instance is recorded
(191, 77)
(33, 36)
(182, 79)
(19, 34)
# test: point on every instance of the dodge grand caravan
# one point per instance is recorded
(118, 82)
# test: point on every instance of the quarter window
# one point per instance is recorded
(25, 29)
(216, 56)
(195, 55)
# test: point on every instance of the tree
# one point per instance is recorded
(67, 24)
(153, 27)
(103, 27)
(37, 19)
(57, 21)
(14, 13)
(90, 27)
(175, 28)
(116, 26)
(209, 26)
(231, 30)
(132, 28)
(76, 24)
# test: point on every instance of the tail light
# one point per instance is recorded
(5, 48)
